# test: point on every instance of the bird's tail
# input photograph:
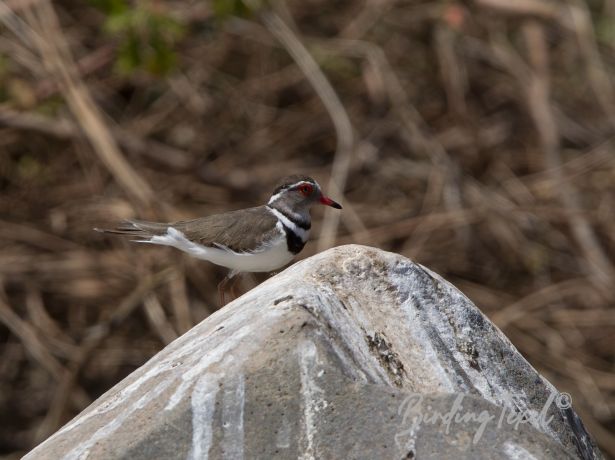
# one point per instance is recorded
(137, 229)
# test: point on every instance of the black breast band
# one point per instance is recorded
(293, 241)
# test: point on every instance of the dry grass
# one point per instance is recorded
(475, 138)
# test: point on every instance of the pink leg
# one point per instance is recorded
(221, 287)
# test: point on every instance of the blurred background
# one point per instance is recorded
(475, 137)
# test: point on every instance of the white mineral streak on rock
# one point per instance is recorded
(236, 327)
(427, 363)
(183, 354)
(492, 386)
(203, 403)
(350, 332)
(430, 363)
(282, 439)
(82, 451)
(374, 318)
(312, 395)
(516, 452)
(233, 400)
(357, 374)
(200, 367)
(117, 400)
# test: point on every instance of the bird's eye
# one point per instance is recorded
(306, 189)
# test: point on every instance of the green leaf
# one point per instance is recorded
(147, 37)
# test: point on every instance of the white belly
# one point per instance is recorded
(265, 259)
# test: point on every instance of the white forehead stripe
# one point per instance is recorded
(301, 233)
(285, 189)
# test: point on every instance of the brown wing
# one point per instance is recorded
(241, 231)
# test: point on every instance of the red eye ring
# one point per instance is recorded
(306, 189)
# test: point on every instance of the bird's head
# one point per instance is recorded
(299, 193)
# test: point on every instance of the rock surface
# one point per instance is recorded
(352, 353)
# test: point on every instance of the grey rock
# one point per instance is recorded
(353, 353)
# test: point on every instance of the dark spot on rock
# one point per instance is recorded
(469, 349)
(409, 455)
(219, 329)
(387, 357)
(282, 299)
